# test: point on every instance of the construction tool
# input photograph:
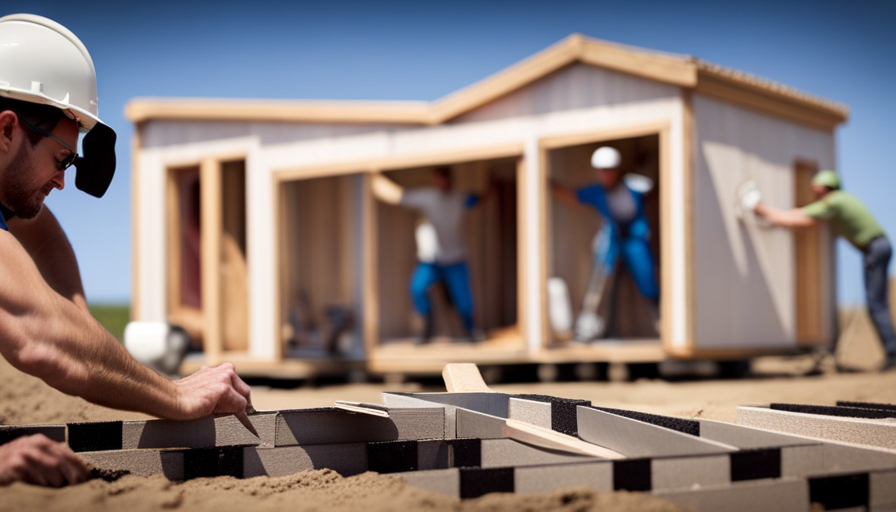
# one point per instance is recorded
(589, 324)
(465, 378)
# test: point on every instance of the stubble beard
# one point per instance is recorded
(20, 194)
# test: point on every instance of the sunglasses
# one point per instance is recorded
(66, 162)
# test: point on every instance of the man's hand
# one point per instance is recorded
(40, 461)
(217, 390)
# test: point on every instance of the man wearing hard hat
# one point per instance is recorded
(621, 203)
(47, 97)
(853, 221)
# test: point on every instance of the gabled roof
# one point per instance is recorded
(680, 70)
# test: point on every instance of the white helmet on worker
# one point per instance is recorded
(45, 63)
(606, 158)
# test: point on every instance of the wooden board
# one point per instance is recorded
(810, 276)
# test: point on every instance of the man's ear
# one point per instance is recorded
(8, 123)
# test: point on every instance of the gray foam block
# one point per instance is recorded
(346, 459)
(686, 472)
(479, 425)
(139, 462)
(530, 411)
(495, 404)
(872, 432)
(783, 495)
(442, 481)
(744, 437)
(882, 490)
(407, 401)
(213, 431)
(11, 432)
(331, 426)
(635, 438)
(540, 479)
(498, 453)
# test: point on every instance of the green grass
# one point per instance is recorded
(113, 317)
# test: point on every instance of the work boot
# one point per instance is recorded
(428, 326)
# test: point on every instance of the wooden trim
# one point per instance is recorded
(173, 237)
(666, 250)
(592, 136)
(723, 353)
(522, 237)
(281, 268)
(369, 268)
(401, 112)
(689, 136)
(210, 243)
(809, 275)
(136, 301)
(543, 175)
(767, 101)
(396, 162)
(675, 70)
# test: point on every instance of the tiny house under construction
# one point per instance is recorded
(256, 228)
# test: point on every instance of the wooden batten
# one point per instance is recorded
(689, 166)
(136, 289)
(371, 306)
(210, 242)
(809, 272)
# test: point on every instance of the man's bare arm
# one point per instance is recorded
(385, 189)
(46, 335)
(564, 193)
(794, 218)
(51, 251)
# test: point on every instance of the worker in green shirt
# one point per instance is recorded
(853, 221)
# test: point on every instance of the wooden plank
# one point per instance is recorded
(174, 238)
(136, 298)
(371, 304)
(689, 169)
(210, 243)
(808, 269)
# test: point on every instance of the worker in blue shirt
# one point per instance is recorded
(622, 206)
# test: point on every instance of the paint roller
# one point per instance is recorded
(159, 345)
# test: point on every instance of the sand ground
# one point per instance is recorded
(25, 400)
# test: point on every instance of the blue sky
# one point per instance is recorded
(424, 50)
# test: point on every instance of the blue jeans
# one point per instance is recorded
(457, 279)
(876, 262)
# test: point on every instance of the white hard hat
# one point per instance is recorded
(605, 158)
(43, 62)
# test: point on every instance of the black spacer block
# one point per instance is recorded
(212, 462)
(682, 425)
(12, 432)
(755, 464)
(467, 452)
(476, 482)
(632, 475)
(842, 491)
(564, 418)
(867, 405)
(829, 410)
(392, 456)
(95, 436)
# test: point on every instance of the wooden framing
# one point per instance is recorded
(809, 282)
(660, 129)
(686, 74)
(136, 311)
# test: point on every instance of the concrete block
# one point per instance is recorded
(563, 411)
(540, 479)
(507, 452)
(213, 431)
(331, 426)
(209, 432)
(169, 463)
(687, 472)
(472, 424)
(872, 432)
(784, 495)
(443, 481)
(530, 411)
(12, 432)
(882, 489)
(407, 401)
(346, 459)
(636, 438)
(744, 437)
